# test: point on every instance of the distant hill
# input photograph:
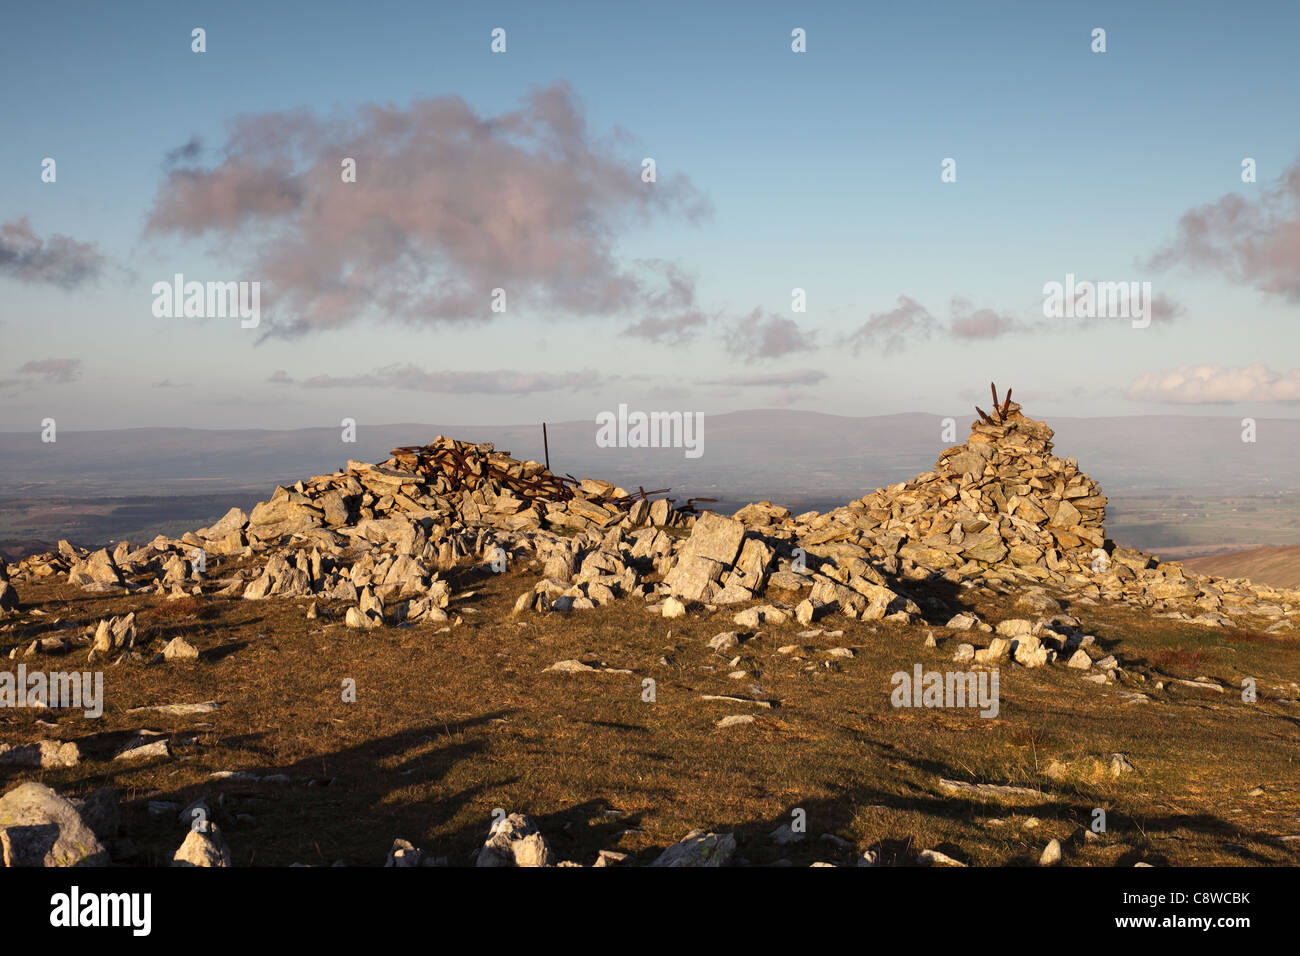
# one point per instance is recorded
(783, 452)
(1279, 567)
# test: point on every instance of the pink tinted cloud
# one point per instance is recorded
(54, 371)
(672, 316)
(970, 323)
(891, 331)
(58, 260)
(447, 206)
(1253, 240)
(895, 329)
(761, 335)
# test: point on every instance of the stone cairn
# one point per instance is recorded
(1000, 510)
(1001, 498)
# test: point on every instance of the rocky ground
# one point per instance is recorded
(453, 647)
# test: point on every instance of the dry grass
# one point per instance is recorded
(1177, 659)
(449, 726)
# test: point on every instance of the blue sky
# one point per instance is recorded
(821, 171)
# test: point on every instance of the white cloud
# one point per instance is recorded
(1214, 384)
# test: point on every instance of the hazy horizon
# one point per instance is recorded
(730, 411)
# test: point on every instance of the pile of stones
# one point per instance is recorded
(1000, 510)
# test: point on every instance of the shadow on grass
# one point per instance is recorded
(350, 804)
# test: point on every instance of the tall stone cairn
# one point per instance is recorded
(1004, 495)
(1000, 500)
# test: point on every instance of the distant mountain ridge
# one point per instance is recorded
(790, 449)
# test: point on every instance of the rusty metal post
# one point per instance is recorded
(546, 447)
